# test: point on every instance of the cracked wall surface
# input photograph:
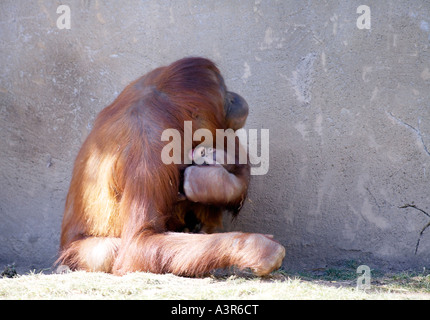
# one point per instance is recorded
(348, 111)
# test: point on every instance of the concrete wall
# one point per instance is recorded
(348, 112)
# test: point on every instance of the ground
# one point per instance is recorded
(323, 284)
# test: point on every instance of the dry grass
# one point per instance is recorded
(280, 285)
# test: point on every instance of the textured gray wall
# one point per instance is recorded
(348, 112)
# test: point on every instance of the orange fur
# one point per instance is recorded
(122, 203)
